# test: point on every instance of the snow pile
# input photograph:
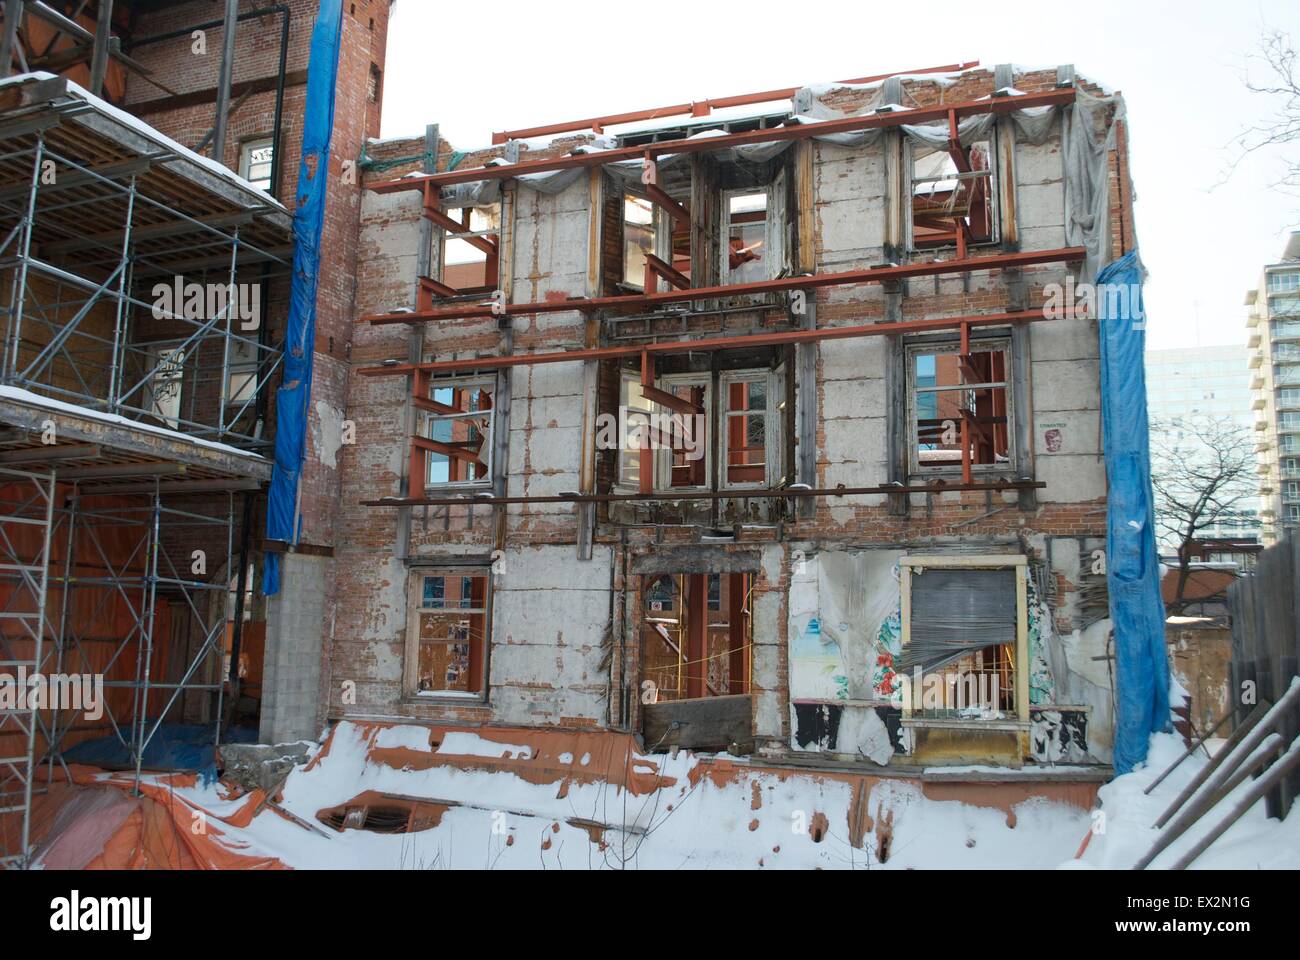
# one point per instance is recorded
(695, 812)
(1124, 832)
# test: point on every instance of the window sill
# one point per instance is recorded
(446, 700)
(974, 723)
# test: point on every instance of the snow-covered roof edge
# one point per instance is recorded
(143, 129)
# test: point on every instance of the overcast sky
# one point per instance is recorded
(1180, 65)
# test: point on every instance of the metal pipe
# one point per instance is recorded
(1275, 773)
(99, 57)
(9, 40)
(224, 79)
(1188, 752)
(599, 123)
(469, 500)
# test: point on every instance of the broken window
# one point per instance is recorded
(684, 432)
(953, 192)
(673, 431)
(638, 238)
(753, 224)
(745, 257)
(470, 257)
(450, 617)
(256, 160)
(696, 635)
(964, 629)
(456, 436)
(960, 403)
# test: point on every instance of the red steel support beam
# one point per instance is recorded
(432, 213)
(780, 285)
(965, 424)
(662, 199)
(802, 131)
(655, 267)
(695, 346)
(699, 108)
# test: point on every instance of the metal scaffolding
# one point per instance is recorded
(137, 360)
(102, 560)
(119, 282)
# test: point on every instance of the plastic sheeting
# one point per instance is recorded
(293, 397)
(1133, 567)
(1088, 132)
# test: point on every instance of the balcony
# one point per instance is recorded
(1257, 382)
(1263, 445)
(1261, 426)
(1259, 403)
(1253, 340)
(1257, 359)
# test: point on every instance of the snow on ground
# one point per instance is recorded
(758, 819)
(1254, 842)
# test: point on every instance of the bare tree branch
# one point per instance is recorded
(1202, 475)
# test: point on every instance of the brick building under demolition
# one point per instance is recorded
(873, 454)
(896, 460)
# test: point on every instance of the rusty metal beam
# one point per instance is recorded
(716, 343)
(802, 131)
(780, 285)
(432, 213)
(655, 267)
(675, 210)
(698, 108)
(770, 494)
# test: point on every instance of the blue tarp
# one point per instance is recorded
(292, 399)
(1133, 566)
(174, 746)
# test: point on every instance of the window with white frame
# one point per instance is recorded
(256, 158)
(241, 372)
(955, 400)
(748, 253)
(458, 420)
(637, 417)
(449, 632)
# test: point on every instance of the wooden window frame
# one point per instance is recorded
(907, 566)
(480, 648)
